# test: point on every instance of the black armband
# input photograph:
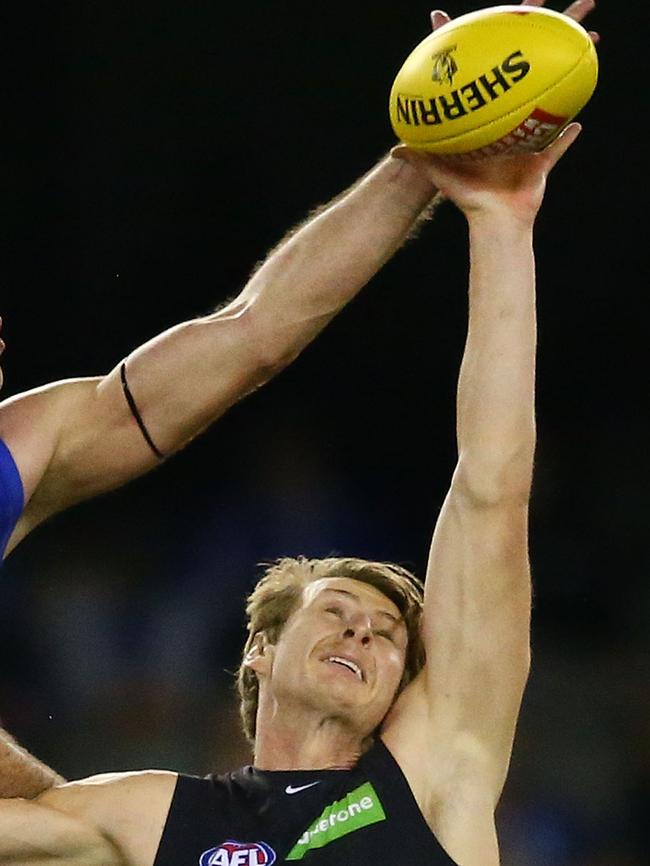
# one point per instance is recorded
(136, 414)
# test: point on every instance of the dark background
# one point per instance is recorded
(151, 154)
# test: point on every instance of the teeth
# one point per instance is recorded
(348, 664)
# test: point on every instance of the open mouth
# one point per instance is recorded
(347, 664)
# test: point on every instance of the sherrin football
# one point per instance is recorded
(502, 78)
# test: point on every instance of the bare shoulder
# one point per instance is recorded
(32, 834)
(141, 783)
(130, 809)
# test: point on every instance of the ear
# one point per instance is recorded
(257, 657)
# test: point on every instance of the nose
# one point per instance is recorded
(359, 627)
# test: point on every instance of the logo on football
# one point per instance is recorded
(444, 66)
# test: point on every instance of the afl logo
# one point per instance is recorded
(444, 66)
(239, 854)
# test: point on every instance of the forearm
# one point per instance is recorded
(290, 298)
(22, 775)
(496, 415)
(326, 262)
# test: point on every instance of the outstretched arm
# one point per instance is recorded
(74, 439)
(462, 711)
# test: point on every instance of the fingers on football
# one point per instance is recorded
(579, 9)
(561, 144)
(439, 18)
(576, 10)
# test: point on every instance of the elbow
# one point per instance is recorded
(273, 343)
(254, 339)
(500, 482)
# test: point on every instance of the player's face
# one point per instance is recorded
(342, 652)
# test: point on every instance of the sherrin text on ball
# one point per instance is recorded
(502, 78)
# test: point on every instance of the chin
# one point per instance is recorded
(354, 717)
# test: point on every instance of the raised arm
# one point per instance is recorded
(74, 439)
(453, 731)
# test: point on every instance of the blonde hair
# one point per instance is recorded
(279, 591)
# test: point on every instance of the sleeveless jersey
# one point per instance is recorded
(365, 816)
(11, 496)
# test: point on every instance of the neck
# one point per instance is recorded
(296, 741)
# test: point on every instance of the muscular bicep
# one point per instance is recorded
(75, 439)
(70, 440)
(476, 624)
(462, 709)
(32, 834)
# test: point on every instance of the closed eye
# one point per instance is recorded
(387, 634)
(337, 611)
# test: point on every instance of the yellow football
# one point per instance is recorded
(502, 78)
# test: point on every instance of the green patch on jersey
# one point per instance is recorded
(357, 809)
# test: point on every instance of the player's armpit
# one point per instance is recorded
(32, 834)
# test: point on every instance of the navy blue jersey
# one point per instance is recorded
(11, 496)
(360, 817)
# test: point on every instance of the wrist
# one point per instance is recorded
(500, 219)
(414, 186)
